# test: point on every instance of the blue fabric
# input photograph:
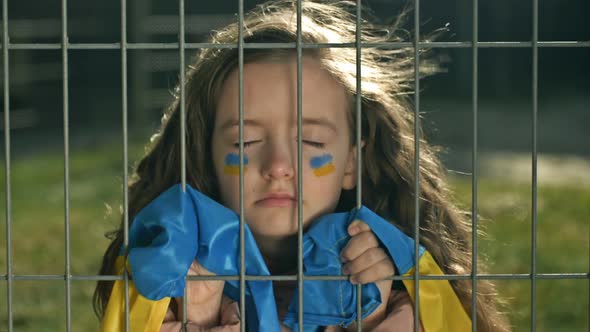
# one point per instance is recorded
(328, 302)
(179, 227)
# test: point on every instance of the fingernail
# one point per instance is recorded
(353, 280)
(353, 230)
(344, 270)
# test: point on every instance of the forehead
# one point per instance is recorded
(270, 93)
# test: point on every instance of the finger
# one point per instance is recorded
(401, 314)
(357, 245)
(200, 292)
(202, 287)
(333, 328)
(357, 226)
(367, 259)
(192, 327)
(203, 297)
(229, 319)
(230, 311)
(374, 273)
(199, 270)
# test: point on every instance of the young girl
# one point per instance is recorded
(329, 163)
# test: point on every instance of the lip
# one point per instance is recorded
(277, 200)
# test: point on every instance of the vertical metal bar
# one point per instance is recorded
(181, 55)
(359, 197)
(299, 169)
(241, 133)
(534, 83)
(475, 92)
(8, 202)
(416, 163)
(66, 124)
(182, 97)
(125, 148)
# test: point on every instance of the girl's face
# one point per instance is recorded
(270, 145)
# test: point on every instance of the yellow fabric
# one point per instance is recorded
(440, 308)
(144, 315)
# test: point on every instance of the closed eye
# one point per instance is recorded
(246, 144)
(314, 144)
(318, 145)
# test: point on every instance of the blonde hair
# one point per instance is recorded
(387, 130)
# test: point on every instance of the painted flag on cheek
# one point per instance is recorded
(322, 165)
(232, 164)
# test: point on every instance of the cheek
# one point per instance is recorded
(322, 165)
(228, 174)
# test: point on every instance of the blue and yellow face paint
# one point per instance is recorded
(232, 164)
(322, 165)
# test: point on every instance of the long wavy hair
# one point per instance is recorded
(387, 130)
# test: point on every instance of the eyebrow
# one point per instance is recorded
(320, 122)
(236, 122)
(231, 123)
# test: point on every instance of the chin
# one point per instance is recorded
(279, 223)
(274, 233)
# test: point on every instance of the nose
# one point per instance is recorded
(279, 163)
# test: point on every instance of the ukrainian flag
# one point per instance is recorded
(179, 227)
(322, 165)
(232, 164)
(164, 239)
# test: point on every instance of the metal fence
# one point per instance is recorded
(533, 45)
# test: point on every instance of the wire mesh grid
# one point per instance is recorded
(534, 44)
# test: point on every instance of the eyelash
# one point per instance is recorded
(310, 143)
(315, 144)
(246, 144)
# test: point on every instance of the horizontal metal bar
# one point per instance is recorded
(69, 46)
(34, 46)
(155, 46)
(392, 45)
(561, 44)
(525, 44)
(520, 276)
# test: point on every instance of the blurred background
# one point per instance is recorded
(504, 201)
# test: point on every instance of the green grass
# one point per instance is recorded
(563, 242)
(38, 240)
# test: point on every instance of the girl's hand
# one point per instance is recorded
(362, 257)
(364, 261)
(204, 305)
(229, 320)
